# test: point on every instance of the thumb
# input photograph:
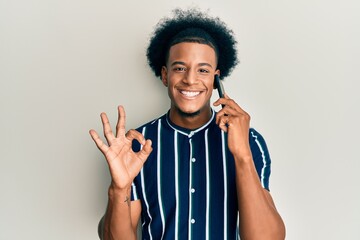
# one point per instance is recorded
(146, 150)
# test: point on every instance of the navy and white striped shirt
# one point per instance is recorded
(187, 185)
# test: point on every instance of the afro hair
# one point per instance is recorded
(192, 26)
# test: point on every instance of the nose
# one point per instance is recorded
(190, 77)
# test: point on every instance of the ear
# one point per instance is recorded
(164, 76)
(217, 72)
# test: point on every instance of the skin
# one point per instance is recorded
(122, 216)
(189, 78)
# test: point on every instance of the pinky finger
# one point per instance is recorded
(99, 143)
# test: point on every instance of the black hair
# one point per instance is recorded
(192, 26)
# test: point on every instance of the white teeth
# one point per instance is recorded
(190, 94)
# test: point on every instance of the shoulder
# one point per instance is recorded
(148, 130)
(151, 124)
(255, 136)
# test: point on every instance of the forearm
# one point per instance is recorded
(258, 216)
(117, 220)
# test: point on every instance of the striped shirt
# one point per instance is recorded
(187, 185)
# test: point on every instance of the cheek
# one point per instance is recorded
(170, 85)
(210, 85)
(171, 90)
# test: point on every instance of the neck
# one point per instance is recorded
(190, 120)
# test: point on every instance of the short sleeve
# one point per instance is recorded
(134, 194)
(261, 157)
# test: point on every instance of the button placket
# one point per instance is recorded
(191, 183)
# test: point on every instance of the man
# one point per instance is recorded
(192, 173)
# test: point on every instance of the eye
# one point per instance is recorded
(203, 70)
(179, 69)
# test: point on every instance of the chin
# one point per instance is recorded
(188, 113)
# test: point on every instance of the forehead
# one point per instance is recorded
(192, 52)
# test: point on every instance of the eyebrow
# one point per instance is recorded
(183, 63)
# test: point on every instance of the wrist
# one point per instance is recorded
(116, 192)
(243, 158)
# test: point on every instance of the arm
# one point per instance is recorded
(114, 218)
(121, 217)
(258, 216)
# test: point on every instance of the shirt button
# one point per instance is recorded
(192, 221)
(193, 159)
(192, 190)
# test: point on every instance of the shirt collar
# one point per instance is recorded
(186, 131)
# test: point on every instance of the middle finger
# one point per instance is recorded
(107, 128)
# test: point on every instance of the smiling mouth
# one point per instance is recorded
(190, 93)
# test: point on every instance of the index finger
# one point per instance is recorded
(120, 126)
(226, 101)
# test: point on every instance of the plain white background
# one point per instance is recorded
(64, 62)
